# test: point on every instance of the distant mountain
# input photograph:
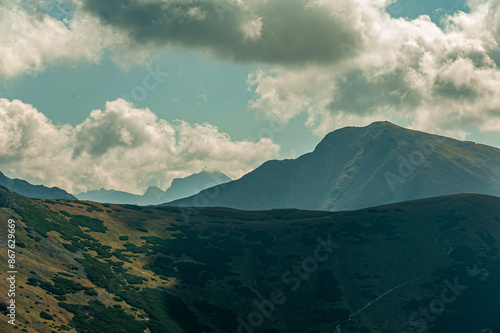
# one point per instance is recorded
(354, 168)
(185, 187)
(430, 265)
(153, 194)
(33, 191)
(110, 196)
(180, 188)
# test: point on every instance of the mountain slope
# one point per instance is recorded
(180, 188)
(427, 265)
(354, 168)
(34, 191)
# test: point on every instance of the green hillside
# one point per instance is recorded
(424, 265)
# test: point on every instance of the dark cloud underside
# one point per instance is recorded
(293, 33)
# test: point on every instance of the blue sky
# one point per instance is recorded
(434, 8)
(67, 94)
(222, 82)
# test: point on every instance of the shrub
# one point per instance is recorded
(45, 315)
(91, 292)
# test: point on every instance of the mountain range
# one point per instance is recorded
(180, 188)
(34, 191)
(427, 265)
(351, 168)
(360, 167)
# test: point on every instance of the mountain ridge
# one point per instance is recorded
(34, 191)
(358, 167)
(215, 270)
(180, 187)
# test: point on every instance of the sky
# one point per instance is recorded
(126, 94)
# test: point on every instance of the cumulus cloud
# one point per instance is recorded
(31, 39)
(119, 147)
(342, 62)
(27, 135)
(413, 72)
(277, 32)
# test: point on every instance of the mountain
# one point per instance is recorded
(427, 265)
(154, 194)
(185, 187)
(34, 191)
(354, 168)
(180, 188)
(110, 196)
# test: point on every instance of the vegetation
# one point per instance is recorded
(101, 273)
(45, 315)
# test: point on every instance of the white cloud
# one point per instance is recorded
(410, 72)
(120, 147)
(342, 62)
(196, 13)
(252, 29)
(31, 40)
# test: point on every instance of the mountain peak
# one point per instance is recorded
(383, 123)
(375, 126)
(356, 137)
(185, 187)
(154, 188)
(357, 167)
(154, 193)
(180, 188)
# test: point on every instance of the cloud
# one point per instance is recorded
(31, 39)
(119, 147)
(414, 72)
(21, 129)
(341, 62)
(275, 32)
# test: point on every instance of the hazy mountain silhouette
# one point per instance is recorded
(180, 188)
(358, 167)
(184, 187)
(110, 196)
(33, 191)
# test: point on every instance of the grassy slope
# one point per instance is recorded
(198, 270)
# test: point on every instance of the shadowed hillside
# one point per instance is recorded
(360, 167)
(34, 191)
(423, 265)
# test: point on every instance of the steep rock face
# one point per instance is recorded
(354, 168)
